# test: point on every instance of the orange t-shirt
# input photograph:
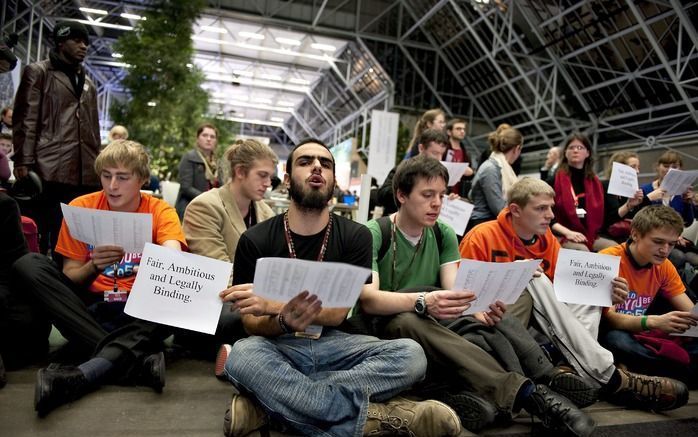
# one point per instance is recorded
(644, 282)
(166, 226)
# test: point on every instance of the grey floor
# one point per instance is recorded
(193, 404)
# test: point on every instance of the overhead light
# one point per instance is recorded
(289, 41)
(255, 121)
(101, 24)
(132, 16)
(252, 105)
(190, 65)
(324, 47)
(285, 103)
(251, 35)
(239, 114)
(214, 29)
(299, 81)
(271, 77)
(324, 57)
(277, 119)
(151, 103)
(257, 83)
(117, 55)
(94, 11)
(263, 101)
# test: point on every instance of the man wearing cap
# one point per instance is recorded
(56, 127)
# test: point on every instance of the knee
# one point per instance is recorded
(617, 339)
(26, 265)
(243, 352)
(415, 361)
(404, 325)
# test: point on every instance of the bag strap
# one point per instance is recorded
(384, 224)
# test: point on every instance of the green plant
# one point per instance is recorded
(166, 102)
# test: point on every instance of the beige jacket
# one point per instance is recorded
(213, 223)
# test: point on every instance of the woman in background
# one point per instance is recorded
(198, 170)
(432, 119)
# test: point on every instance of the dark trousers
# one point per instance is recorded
(205, 346)
(80, 317)
(627, 350)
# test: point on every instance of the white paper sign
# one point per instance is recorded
(382, 144)
(493, 281)
(456, 213)
(364, 199)
(623, 180)
(128, 230)
(693, 330)
(585, 277)
(337, 285)
(178, 289)
(676, 182)
(455, 171)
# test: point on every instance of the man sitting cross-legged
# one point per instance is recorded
(640, 341)
(421, 254)
(81, 300)
(522, 231)
(339, 384)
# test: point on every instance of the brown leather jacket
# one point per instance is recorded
(54, 133)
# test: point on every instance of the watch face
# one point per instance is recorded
(419, 306)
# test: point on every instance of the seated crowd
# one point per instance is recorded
(404, 360)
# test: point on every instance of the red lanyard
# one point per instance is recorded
(575, 197)
(289, 239)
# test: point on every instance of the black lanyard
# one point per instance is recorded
(289, 239)
(393, 236)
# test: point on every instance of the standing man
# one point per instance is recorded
(334, 384)
(522, 231)
(432, 143)
(56, 127)
(455, 128)
(214, 221)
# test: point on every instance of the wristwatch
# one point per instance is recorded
(420, 305)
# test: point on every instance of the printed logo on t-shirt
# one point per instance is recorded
(635, 304)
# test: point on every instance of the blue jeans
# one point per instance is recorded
(627, 350)
(322, 387)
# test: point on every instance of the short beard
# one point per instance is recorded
(311, 201)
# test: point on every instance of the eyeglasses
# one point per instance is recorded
(576, 147)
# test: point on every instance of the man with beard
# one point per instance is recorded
(336, 383)
(55, 128)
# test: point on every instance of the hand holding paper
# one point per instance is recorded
(692, 330)
(623, 180)
(448, 304)
(676, 182)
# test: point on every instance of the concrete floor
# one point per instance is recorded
(193, 404)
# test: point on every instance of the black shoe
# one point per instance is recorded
(3, 377)
(153, 372)
(652, 393)
(57, 385)
(575, 388)
(557, 413)
(474, 412)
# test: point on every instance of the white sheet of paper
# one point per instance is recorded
(493, 281)
(97, 227)
(455, 171)
(676, 182)
(364, 199)
(456, 213)
(178, 289)
(585, 277)
(623, 180)
(337, 285)
(692, 331)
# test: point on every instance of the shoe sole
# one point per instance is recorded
(221, 358)
(473, 413)
(574, 388)
(40, 394)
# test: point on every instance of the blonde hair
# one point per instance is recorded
(621, 157)
(505, 138)
(422, 125)
(243, 153)
(118, 130)
(129, 154)
(522, 191)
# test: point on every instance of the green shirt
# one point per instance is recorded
(424, 269)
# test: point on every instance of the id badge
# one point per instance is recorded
(312, 331)
(115, 296)
(581, 212)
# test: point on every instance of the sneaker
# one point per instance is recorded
(405, 417)
(221, 358)
(243, 417)
(574, 387)
(557, 413)
(153, 372)
(474, 412)
(649, 392)
(57, 385)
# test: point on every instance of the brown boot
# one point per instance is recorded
(649, 392)
(243, 417)
(424, 419)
